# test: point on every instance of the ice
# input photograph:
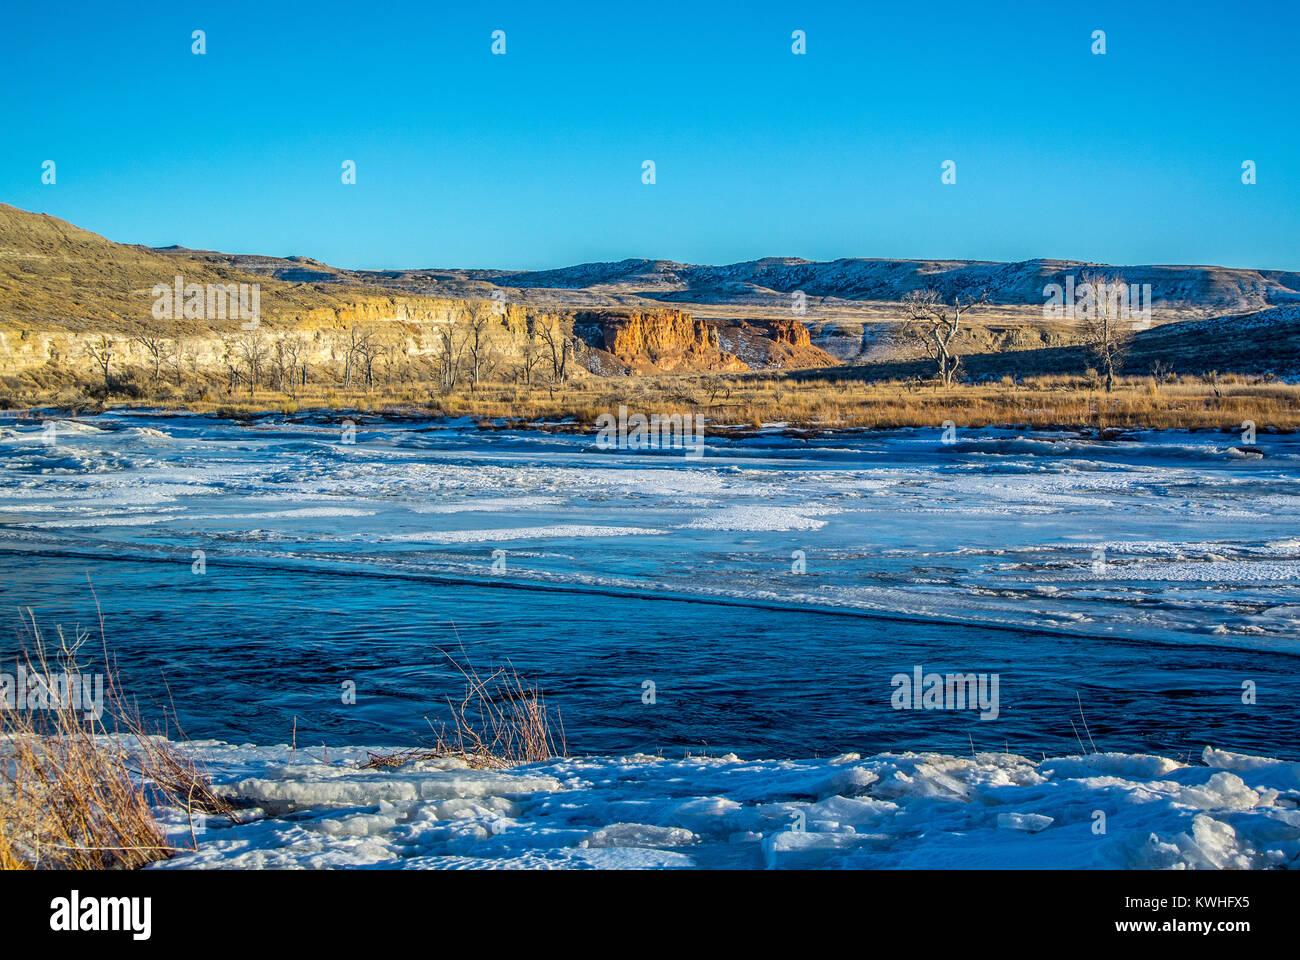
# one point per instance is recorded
(1283, 774)
(638, 835)
(1027, 822)
(888, 810)
(1127, 766)
(556, 532)
(324, 787)
(756, 518)
(1166, 537)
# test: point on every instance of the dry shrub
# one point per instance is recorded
(500, 720)
(77, 791)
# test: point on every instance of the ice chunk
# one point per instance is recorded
(1027, 822)
(638, 835)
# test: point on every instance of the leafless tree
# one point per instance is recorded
(175, 359)
(251, 350)
(286, 361)
(451, 339)
(230, 358)
(1106, 333)
(478, 341)
(157, 350)
(530, 351)
(932, 325)
(359, 351)
(101, 350)
(369, 348)
(556, 334)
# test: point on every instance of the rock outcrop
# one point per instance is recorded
(789, 331)
(660, 340)
(69, 297)
(780, 342)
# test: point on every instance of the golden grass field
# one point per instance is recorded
(740, 402)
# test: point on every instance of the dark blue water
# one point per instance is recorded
(249, 651)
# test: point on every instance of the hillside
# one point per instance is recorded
(850, 303)
(1188, 290)
(57, 276)
(62, 288)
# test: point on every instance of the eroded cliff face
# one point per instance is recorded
(658, 340)
(69, 297)
(789, 331)
(781, 343)
(409, 324)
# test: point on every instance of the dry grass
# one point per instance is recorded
(77, 792)
(740, 402)
(499, 721)
(833, 398)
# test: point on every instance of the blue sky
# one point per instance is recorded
(534, 159)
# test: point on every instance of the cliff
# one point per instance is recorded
(789, 331)
(664, 340)
(63, 290)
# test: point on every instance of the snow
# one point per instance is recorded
(892, 810)
(762, 518)
(557, 531)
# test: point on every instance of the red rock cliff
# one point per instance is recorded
(662, 340)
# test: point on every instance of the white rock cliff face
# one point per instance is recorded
(324, 333)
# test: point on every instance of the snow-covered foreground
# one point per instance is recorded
(1109, 810)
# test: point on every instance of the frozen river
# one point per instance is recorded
(740, 645)
(766, 594)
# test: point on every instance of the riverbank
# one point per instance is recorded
(735, 403)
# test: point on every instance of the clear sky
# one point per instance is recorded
(534, 159)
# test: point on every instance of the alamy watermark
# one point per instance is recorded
(33, 690)
(946, 691)
(1092, 300)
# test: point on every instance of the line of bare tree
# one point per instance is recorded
(478, 342)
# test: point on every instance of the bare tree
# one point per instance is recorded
(933, 326)
(157, 350)
(230, 358)
(1106, 332)
(368, 349)
(175, 359)
(101, 350)
(286, 361)
(530, 351)
(358, 351)
(251, 350)
(556, 333)
(478, 340)
(451, 339)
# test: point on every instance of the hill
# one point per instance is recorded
(61, 287)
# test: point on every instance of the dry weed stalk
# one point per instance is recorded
(501, 720)
(76, 793)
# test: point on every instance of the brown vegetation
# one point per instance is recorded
(736, 403)
(500, 720)
(78, 791)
